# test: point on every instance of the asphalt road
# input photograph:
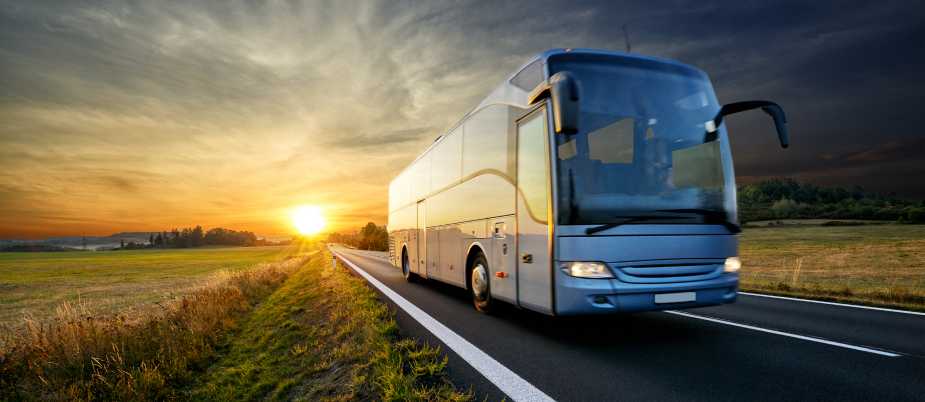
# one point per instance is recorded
(671, 357)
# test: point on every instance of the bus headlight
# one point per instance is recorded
(732, 264)
(582, 269)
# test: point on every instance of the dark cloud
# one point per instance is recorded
(120, 184)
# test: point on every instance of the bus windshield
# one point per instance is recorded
(641, 155)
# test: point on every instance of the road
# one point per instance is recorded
(760, 348)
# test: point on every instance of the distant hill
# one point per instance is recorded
(32, 248)
(789, 199)
(137, 237)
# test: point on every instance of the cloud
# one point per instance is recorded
(894, 150)
(233, 112)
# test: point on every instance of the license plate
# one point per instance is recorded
(665, 298)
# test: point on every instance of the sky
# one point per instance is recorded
(150, 115)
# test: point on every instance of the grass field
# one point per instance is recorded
(292, 329)
(870, 263)
(36, 283)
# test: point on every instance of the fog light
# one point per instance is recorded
(732, 264)
(600, 300)
(580, 269)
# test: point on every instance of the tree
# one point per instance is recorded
(122, 243)
(184, 238)
(151, 240)
(159, 240)
(196, 236)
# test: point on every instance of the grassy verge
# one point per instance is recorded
(151, 355)
(889, 298)
(36, 283)
(325, 336)
(877, 265)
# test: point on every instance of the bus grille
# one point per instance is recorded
(668, 273)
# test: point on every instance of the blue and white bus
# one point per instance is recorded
(589, 182)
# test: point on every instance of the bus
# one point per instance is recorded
(588, 182)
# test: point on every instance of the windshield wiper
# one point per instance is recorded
(628, 219)
(713, 217)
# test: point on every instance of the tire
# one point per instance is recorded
(480, 284)
(406, 269)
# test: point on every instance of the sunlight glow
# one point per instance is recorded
(308, 220)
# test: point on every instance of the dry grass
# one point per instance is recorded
(325, 336)
(878, 264)
(80, 354)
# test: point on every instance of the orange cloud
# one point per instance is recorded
(893, 150)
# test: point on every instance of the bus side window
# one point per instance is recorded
(529, 77)
(420, 178)
(447, 161)
(485, 141)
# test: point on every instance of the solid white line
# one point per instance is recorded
(805, 338)
(510, 383)
(834, 304)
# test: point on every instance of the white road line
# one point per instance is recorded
(510, 383)
(834, 304)
(805, 338)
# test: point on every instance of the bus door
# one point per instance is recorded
(534, 271)
(421, 267)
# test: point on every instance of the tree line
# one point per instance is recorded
(765, 200)
(370, 237)
(195, 237)
(788, 199)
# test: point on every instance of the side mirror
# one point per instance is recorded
(565, 91)
(771, 108)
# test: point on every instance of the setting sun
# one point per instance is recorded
(308, 220)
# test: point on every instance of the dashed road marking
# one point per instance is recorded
(771, 331)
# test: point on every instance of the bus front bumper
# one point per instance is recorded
(608, 296)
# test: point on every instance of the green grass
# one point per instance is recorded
(870, 264)
(325, 336)
(148, 354)
(36, 283)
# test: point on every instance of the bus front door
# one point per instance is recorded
(534, 273)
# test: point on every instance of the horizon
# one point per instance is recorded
(325, 234)
(118, 116)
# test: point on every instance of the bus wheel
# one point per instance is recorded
(406, 269)
(481, 291)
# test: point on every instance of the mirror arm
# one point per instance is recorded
(565, 92)
(772, 109)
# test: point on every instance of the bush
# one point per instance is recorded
(840, 223)
(917, 215)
